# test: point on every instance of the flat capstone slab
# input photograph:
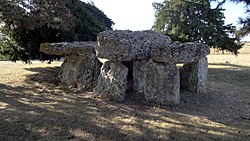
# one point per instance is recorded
(64, 48)
(125, 45)
(180, 52)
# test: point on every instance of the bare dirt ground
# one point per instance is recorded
(33, 106)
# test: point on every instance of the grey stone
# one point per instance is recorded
(117, 45)
(64, 48)
(112, 81)
(80, 71)
(180, 52)
(162, 83)
(139, 67)
(194, 76)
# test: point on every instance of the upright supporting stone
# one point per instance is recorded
(80, 71)
(80, 68)
(139, 67)
(162, 83)
(112, 81)
(194, 76)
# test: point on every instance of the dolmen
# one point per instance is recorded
(80, 68)
(141, 63)
(147, 60)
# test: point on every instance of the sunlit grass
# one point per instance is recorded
(32, 108)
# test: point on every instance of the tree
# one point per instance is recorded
(244, 21)
(195, 20)
(245, 1)
(28, 23)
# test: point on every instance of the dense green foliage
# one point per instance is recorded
(28, 23)
(195, 20)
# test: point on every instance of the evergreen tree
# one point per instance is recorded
(244, 21)
(28, 23)
(195, 20)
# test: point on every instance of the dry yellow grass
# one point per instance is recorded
(33, 106)
(244, 50)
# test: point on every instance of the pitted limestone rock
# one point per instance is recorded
(162, 83)
(194, 76)
(180, 52)
(80, 71)
(139, 69)
(80, 68)
(64, 48)
(112, 81)
(117, 45)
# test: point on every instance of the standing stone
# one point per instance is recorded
(139, 67)
(80, 71)
(162, 83)
(194, 76)
(80, 68)
(112, 81)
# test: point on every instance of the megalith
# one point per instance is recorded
(112, 81)
(139, 70)
(193, 56)
(80, 68)
(194, 76)
(162, 83)
(134, 64)
(125, 45)
(153, 57)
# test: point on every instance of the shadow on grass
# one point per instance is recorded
(42, 111)
(227, 99)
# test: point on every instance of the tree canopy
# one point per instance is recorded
(28, 23)
(195, 20)
(244, 21)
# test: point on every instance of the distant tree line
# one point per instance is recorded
(28, 23)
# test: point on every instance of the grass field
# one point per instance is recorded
(244, 50)
(33, 106)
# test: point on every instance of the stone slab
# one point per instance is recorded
(80, 71)
(139, 69)
(125, 45)
(194, 76)
(64, 48)
(180, 52)
(112, 81)
(162, 83)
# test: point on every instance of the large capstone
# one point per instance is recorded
(117, 45)
(112, 81)
(162, 83)
(180, 52)
(194, 76)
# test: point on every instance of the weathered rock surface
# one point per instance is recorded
(162, 83)
(64, 48)
(80, 68)
(139, 68)
(80, 71)
(117, 45)
(194, 76)
(112, 81)
(180, 52)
